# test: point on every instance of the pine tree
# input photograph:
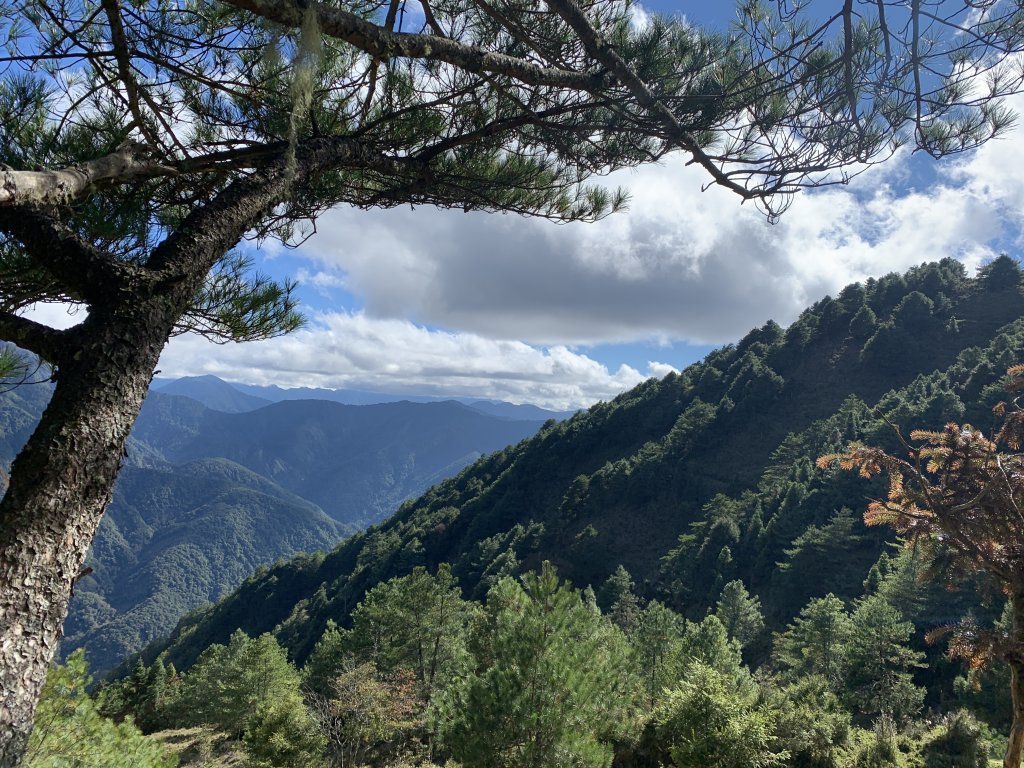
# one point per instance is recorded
(816, 643)
(330, 654)
(957, 497)
(707, 642)
(880, 662)
(617, 585)
(811, 723)
(416, 622)
(249, 690)
(551, 689)
(70, 731)
(658, 643)
(708, 722)
(740, 613)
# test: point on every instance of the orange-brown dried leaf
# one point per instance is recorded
(938, 633)
(880, 513)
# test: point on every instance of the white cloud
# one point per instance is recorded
(351, 350)
(639, 17)
(660, 370)
(524, 295)
(56, 315)
(680, 264)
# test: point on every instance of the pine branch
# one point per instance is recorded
(379, 42)
(605, 54)
(211, 230)
(83, 269)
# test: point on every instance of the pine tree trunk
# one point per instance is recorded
(1015, 746)
(64, 476)
(60, 483)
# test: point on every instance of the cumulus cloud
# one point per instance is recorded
(680, 264)
(346, 350)
(528, 297)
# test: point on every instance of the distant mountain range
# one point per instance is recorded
(689, 482)
(356, 462)
(220, 395)
(214, 393)
(218, 481)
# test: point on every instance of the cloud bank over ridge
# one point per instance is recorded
(506, 307)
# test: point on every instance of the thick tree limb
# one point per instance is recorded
(378, 41)
(214, 228)
(79, 266)
(130, 162)
(48, 343)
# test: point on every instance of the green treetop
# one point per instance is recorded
(816, 642)
(553, 687)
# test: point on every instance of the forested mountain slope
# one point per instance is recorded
(690, 481)
(206, 496)
(178, 538)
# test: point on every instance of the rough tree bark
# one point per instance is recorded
(60, 484)
(64, 476)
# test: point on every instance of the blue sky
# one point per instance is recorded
(446, 303)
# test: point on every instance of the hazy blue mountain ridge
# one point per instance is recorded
(213, 392)
(358, 463)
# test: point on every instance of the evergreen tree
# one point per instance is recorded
(614, 587)
(71, 733)
(962, 743)
(128, 186)
(416, 622)
(811, 723)
(626, 612)
(282, 734)
(739, 613)
(706, 721)
(143, 695)
(552, 688)
(250, 690)
(330, 655)
(880, 662)
(665, 646)
(658, 643)
(706, 642)
(829, 557)
(863, 324)
(816, 642)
